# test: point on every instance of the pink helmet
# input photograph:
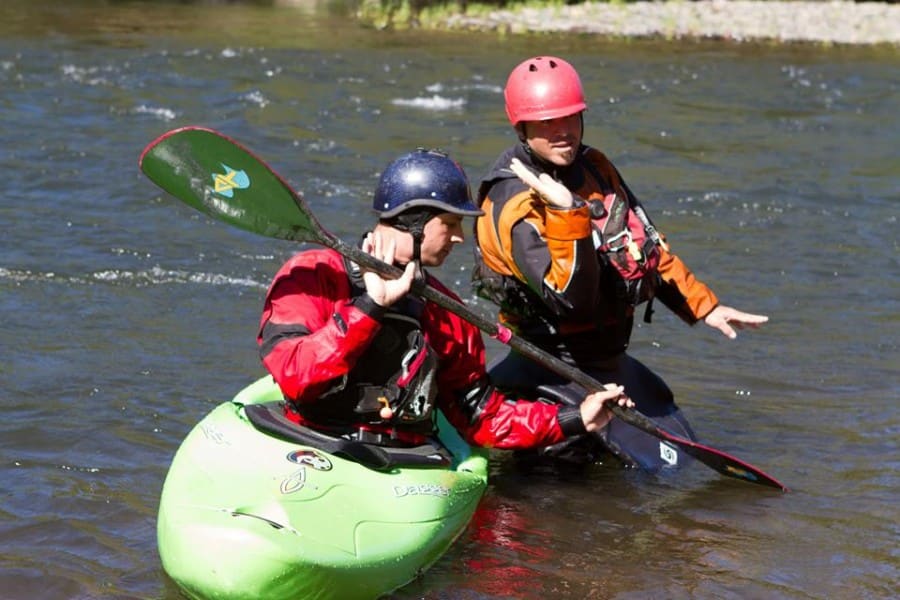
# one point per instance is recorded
(543, 87)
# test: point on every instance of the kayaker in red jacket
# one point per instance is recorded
(567, 252)
(356, 355)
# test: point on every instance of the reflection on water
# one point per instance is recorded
(128, 316)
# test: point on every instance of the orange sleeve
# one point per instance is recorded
(563, 228)
(698, 300)
(567, 224)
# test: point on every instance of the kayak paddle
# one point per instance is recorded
(219, 177)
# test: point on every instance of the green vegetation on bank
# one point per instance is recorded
(403, 14)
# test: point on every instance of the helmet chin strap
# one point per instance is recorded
(418, 235)
(520, 132)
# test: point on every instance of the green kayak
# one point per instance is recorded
(256, 507)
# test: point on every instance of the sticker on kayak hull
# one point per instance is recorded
(668, 454)
(421, 489)
(305, 458)
(294, 482)
(310, 458)
(213, 434)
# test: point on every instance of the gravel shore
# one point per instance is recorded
(835, 22)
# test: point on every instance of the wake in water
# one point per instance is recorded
(153, 276)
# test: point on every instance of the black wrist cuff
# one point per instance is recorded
(570, 421)
(369, 306)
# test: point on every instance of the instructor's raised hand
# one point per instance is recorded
(550, 190)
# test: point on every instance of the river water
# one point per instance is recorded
(126, 316)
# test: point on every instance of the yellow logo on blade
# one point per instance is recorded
(230, 181)
(743, 474)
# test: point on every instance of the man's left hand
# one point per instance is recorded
(385, 292)
(727, 319)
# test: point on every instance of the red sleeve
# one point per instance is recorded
(502, 422)
(512, 424)
(310, 333)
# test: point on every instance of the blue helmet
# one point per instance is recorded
(427, 179)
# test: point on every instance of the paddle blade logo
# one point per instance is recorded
(742, 473)
(225, 184)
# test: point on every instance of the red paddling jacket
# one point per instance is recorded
(569, 279)
(337, 357)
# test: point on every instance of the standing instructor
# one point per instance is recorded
(567, 252)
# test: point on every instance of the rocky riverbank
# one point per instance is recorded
(835, 22)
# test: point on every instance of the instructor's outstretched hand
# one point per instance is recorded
(727, 319)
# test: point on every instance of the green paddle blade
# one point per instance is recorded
(219, 177)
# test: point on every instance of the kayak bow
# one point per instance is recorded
(248, 514)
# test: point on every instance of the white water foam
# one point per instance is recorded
(435, 102)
